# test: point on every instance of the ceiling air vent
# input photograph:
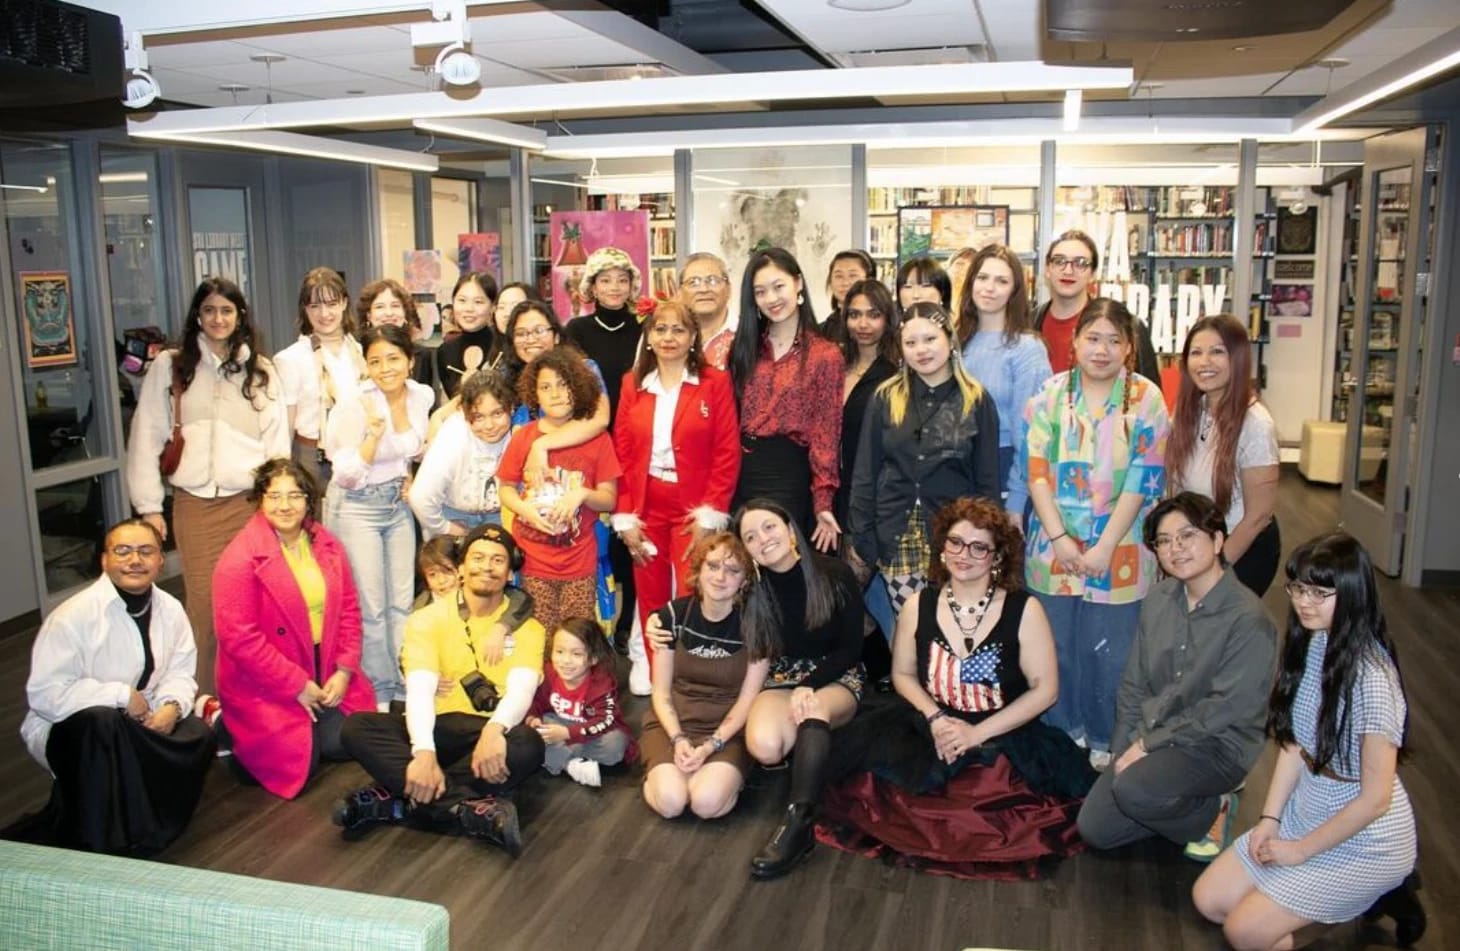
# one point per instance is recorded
(1149, 20)
(54, 53)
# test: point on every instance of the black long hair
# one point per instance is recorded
(745, 348)
(245, 336)
(1335, 560)
(821, 595)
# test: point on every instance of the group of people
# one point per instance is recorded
(994, 493)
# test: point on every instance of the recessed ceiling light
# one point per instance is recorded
(269, 58)
(354, 92)
(1332, 62)
(234, 88)
(1243, 49)
(867, 6)
(1188, 29)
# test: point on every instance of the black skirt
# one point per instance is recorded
(776, 468)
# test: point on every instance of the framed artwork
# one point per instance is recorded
(422, 271)
(943, 230)
(481, 252)
(1297, 234)
(1292, 300)
(50, 330)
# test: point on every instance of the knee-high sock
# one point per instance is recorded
(808, 762)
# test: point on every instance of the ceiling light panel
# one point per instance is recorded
(916, 25)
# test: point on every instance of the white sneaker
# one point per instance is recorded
(585, 771)
(639, 682)
(1100, 760)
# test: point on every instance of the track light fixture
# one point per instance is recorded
(142, 90)
(454, 64)
(457, 67)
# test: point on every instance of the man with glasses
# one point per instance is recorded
(451, 762)
(1071, 264)
(1192, 704)
(111, 686)
(704, 286)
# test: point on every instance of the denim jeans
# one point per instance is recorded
(470, 519)
(1091, 642)
(606, 749)
(374, 524)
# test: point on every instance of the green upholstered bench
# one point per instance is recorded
(56, 898)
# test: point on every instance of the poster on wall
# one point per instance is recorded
(221, 254)
(1297, 233)
(942, 231)
(1292, 300)
(574, 235)
(421, 271)
(50, 331)
(480, 252)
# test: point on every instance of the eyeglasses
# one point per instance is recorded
(1308, 593)
(669, 330)
(1059, 263)
(122, 552)
(528, 333)
(711, 281)
(870, 314)
(957, 546)
(278, 498)
(1181, 539)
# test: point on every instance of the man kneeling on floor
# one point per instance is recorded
(1191, 707)
(452, 761)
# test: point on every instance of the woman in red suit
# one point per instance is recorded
(288, 623)
(677, 436)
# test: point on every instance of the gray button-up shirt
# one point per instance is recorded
(1198, 674)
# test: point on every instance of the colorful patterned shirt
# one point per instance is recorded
(1090, 457)
(799, 396)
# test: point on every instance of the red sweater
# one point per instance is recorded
(591, 708)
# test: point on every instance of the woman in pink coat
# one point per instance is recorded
(288, 624)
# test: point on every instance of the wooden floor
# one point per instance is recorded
(600, 871)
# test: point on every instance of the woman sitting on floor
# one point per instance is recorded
(959, 773)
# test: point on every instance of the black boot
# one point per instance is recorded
(1402, 904)
(792, 842)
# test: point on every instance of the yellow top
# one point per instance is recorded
(437, 640)
(310, 580)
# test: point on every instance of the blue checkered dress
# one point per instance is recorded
(1341, 883)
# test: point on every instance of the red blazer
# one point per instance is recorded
(266, 650)
(705, 435)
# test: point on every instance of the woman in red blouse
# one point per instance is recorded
(787, 378)
(677, 437)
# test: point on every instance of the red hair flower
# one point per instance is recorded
(644, 307)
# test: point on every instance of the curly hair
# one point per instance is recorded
(1008, 553)
(245, 336)
(758, 629)
(323, 285)
(387, 285)
(484, 382)
(570, 367)
(265, 475)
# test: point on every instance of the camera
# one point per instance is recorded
(479, 691)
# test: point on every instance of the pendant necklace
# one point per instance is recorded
(978, 611)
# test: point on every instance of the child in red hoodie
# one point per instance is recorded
(576, 710)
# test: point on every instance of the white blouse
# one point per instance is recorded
(394, 452)
(1256, 446)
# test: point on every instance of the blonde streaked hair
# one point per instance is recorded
(898, 389)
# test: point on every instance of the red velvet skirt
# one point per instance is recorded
(986, 822)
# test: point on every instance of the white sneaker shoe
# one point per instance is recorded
(1100, 760)
(585, 771)
(639, 683)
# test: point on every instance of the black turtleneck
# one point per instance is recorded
(836, 645)
(611, 339)
(139, 609)
(453, 359)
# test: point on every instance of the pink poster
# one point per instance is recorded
(422, 271)
(480, 252)
(576, 234)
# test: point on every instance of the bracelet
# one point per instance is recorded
(674, 740)
(937, 714)
(1273, 818)
(1058, 537)
(716, 743)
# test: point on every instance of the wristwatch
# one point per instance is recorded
(716, 743)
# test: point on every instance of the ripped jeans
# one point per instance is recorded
(1091, 641)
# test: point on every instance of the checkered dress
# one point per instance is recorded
(1341, 883)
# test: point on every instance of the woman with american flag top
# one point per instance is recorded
(973, 664)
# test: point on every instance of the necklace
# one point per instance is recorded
(617, 326)
(1205, 426)
(136, 614)
(978, 611)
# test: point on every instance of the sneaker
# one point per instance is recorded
(585, 771)
(1100, 760)
(366, 808)
(1211, 845)
(639, 682)
(493, 820)
(207, 708)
